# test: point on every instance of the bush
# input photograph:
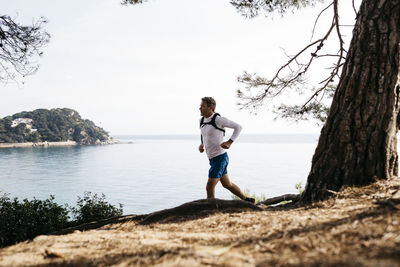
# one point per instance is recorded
(26, 219)
(93, 208)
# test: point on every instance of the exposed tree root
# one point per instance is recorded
(279, 199)
(186, 211)
(199, 207)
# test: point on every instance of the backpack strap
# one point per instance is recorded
(201, 124)
(212, 122)
(201, 121)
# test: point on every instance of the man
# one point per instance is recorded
(212, 133)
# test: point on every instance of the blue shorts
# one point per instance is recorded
(219, 165)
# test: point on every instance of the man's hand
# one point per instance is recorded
(201, 148)
(227, 144)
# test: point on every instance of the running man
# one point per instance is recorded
(212, 127)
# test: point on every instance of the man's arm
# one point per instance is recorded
(201, 146)
(227, 144)
(226, 123)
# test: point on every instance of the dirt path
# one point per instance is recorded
(358, 227)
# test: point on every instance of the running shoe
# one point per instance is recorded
(250, 199)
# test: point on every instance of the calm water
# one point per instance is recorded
(154, 172)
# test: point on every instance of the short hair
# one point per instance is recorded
(210, 102)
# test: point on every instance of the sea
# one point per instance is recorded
(147, 173)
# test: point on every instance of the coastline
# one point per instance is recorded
(38, 144)
(48, 144)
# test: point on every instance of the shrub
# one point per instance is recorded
(22, 220)
(27, 219)
(93, 208)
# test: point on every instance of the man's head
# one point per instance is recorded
(207, 106)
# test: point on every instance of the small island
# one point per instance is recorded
(54, 127)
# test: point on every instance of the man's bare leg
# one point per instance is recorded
(231, 186)
(211, 183)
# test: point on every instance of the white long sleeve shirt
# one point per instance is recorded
(213, 138)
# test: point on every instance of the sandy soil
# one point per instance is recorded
(358, 227)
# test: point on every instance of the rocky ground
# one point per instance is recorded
(357, 227)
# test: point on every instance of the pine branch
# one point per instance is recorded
(20, 46)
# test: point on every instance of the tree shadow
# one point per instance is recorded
(380, 210)
(136, 259)
(98, 224)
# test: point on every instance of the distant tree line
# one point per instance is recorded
(55, 125)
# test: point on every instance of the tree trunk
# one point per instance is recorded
(358, 140)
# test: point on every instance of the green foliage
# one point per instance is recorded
(252, 8)
(93, 208)
(285, 202)
(299, 186)
(316, 110)
(22, 220)
(33, 137)
(27, 219)
(247, 193)
(55, 125)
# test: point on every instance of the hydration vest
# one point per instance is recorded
(212, 122)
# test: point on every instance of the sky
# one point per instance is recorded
(143, 69)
